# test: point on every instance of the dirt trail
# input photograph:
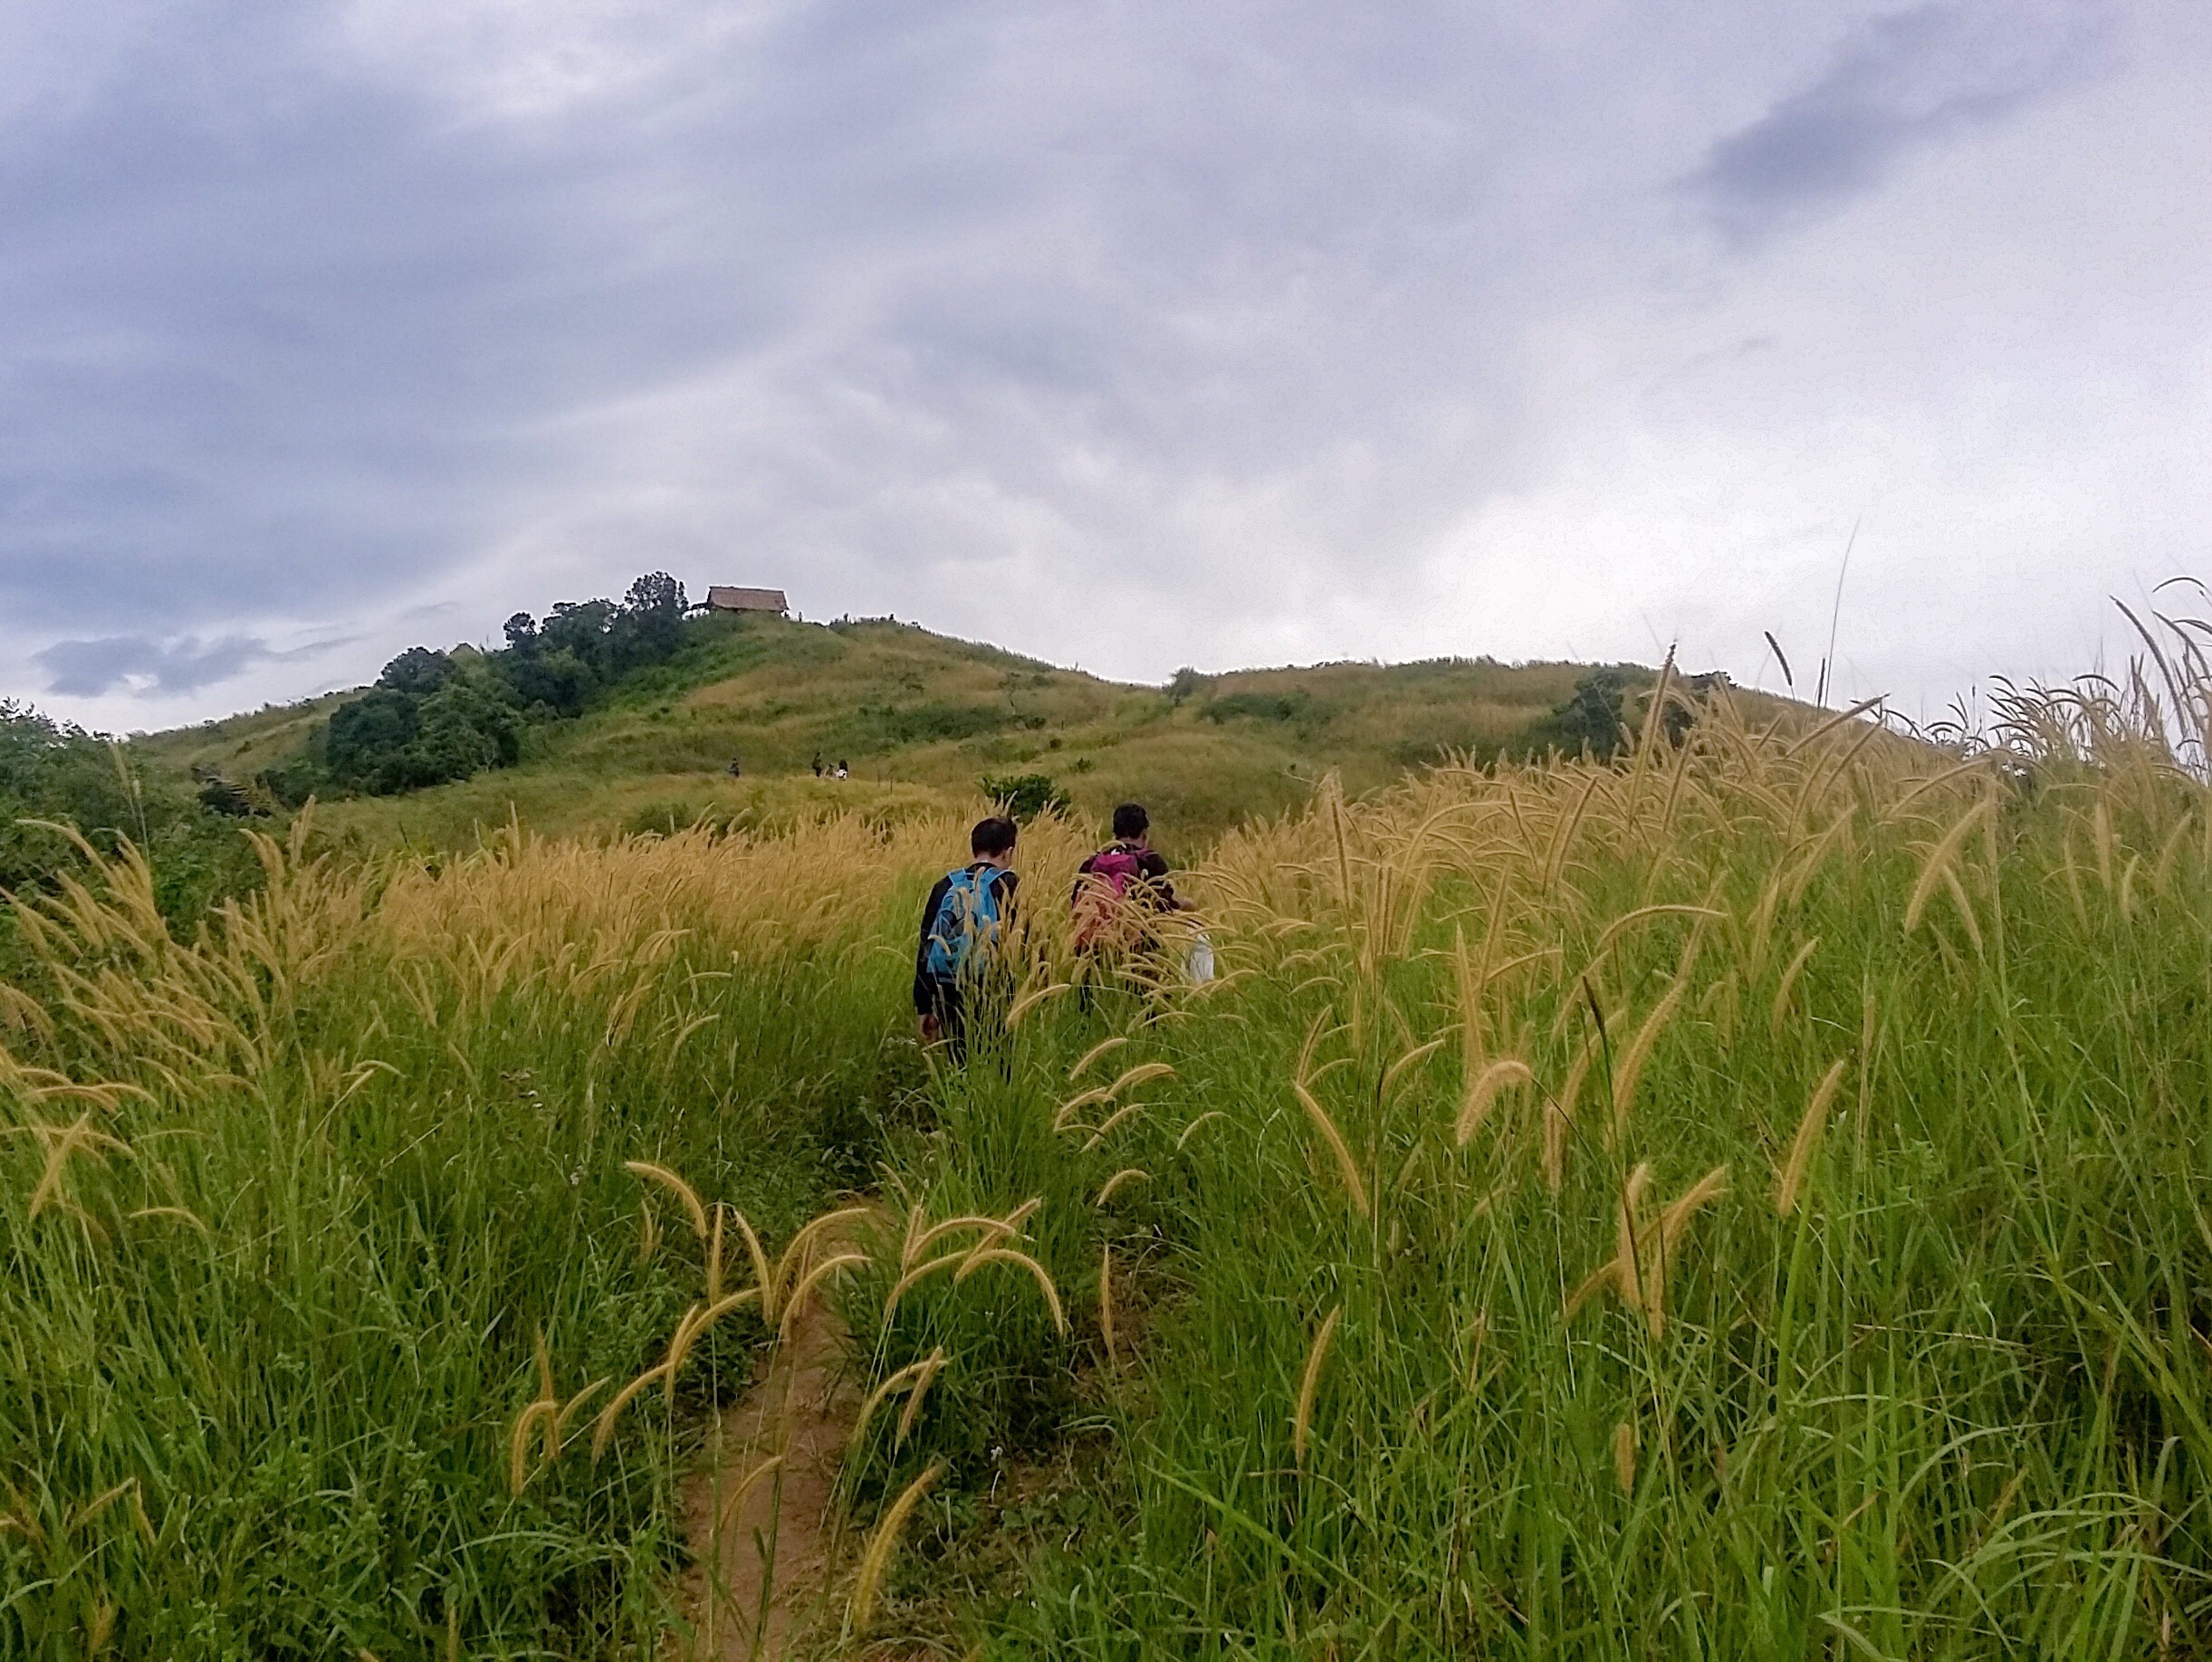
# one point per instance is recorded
(772, 1544)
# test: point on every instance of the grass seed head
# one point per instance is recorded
(913, 1377)
(1004, 1255)
(1103, 1048)
(1630, 1069)
(1127, 1174)
(1790, 1180)
(745, 1486)
(1105, 1301)
(1347, 1169)
(1309, 1383)
(877, 1559)
(1483, 1089)
(1789, 982)
(675, 1186)
(1940, 860)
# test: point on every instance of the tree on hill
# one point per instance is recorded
(367, 737)
(578, 627)
(648, 626)
(393, 739)
(436, 716)
(550, 684)
(419, 671)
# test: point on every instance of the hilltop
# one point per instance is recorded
(922, 719)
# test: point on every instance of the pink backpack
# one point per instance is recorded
(1102, 899)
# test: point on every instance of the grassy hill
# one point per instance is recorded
(921, 718)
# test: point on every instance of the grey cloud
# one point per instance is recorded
(1901, 81)
(401, 314)
(151, 667)
(274, 334)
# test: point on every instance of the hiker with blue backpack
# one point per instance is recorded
(966, 915)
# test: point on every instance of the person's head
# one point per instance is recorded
(992, 839)
(1131, 822)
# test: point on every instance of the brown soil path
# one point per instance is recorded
(762, 1553)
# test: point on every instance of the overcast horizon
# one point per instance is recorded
(1123, 337)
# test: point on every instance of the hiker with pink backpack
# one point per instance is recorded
(1119, 890)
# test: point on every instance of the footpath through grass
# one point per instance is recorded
(1747, 1201)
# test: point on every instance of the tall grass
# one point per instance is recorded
(299, 1215)
(1746, 1201)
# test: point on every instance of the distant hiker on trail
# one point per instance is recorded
(965, 916)
(737, 768)
(817, 764)
(1119, 887)
(844, 772)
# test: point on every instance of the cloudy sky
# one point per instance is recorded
(1129, 334)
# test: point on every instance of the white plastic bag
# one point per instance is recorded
(1198, 964)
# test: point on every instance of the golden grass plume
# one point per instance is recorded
(1790, 1180)
(881, 1545)
(1309, 1383)
(1505, 1074)
(1347, 1169)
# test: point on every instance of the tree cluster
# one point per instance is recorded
(436, 716)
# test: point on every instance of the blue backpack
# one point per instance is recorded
(968, 913)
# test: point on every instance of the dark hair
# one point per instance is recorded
(1130, 821)
(994, 835)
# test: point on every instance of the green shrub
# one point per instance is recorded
(1025, 796)
(1589, 723)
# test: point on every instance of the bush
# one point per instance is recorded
(1588, 724)
(291, 782)
(1025, 795)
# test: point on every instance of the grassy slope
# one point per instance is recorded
(239, 745)
(921, 718)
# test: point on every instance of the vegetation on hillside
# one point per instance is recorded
(1741, 1198)
(434, 717)
(60, 786)
(922, 720)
